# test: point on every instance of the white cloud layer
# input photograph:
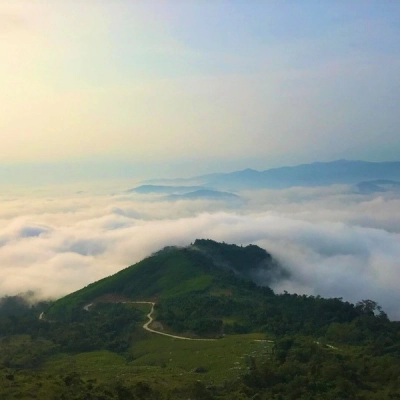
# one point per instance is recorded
(334, 242)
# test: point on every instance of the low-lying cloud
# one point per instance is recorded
(334, 242)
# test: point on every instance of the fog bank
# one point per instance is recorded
(334, 242)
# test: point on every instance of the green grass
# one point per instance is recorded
(222, 359)
(197, 284)
(167, 272)
(157, 358)
(144, 308)
(104, 364)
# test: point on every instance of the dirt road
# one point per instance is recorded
(150, 317)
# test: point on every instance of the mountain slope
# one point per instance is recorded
(212, 289)
(206, 267)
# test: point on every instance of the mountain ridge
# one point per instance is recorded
(313, 174)
(210, 289)
(204, 266)
(204, 194)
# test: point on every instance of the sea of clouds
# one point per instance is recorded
(335, 242)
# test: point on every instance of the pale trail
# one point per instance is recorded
(149, 316)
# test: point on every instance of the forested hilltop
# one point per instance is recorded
(233, 338)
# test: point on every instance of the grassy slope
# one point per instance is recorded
(157, 359)
(161, 275)
(166, 358)
(171, 272)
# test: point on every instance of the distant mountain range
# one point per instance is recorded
(315, 174)
(204, 194)
(174, 193)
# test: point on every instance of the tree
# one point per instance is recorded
(368, 307)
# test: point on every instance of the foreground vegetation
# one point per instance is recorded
(266, 346)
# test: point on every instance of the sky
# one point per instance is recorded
(140, 89)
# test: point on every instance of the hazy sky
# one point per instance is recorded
(180, 87)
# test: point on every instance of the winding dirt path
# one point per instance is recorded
(86, 308)
(150, 320)
(150, 317)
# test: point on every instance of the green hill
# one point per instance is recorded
(265, 345)
(208, 290)
(205, 267)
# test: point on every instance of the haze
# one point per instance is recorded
(114, 89)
